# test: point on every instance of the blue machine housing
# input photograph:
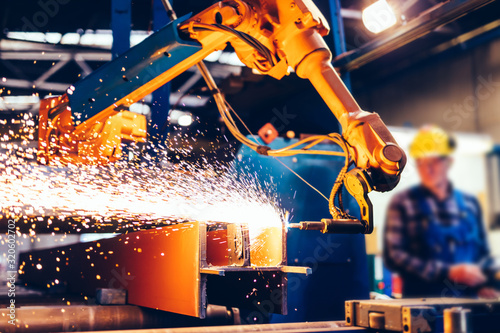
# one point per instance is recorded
(155, 55)
(338, 262)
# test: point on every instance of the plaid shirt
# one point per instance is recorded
(407, 246)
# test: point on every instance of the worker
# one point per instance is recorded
(434, 235)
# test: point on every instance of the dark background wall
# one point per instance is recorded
(459, 91)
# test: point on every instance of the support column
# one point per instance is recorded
(338, 35)
(161, 97)
(121, 20)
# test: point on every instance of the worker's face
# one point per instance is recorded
(433, 170)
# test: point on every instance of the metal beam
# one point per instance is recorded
(189, 83)
(441, 14)
(121, 19)
(310, 327)
(407, 5)
(161, 97)
(50, 86)
(465, 41)
(51, 71)
(80, 61)
(57, 318)
(352, 13)
(337, 27)
(53, 223)
(339, 35)
(54, 56)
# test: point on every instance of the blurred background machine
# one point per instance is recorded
(375, 63)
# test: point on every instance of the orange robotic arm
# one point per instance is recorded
(270, 36)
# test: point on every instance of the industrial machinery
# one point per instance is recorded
(183, 268)
(191, 268)
(88, 122)
(448, 315)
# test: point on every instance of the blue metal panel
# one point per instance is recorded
(338, 35)
(139, 65)
(337, 27)
(121, 20)
(338, 262)
(161, 97)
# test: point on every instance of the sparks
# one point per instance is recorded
(134, 193)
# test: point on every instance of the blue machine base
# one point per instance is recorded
(338, 262)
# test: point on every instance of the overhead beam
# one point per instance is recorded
(466, 41)
(56, 87)
(80, 61)
(353, 14)
(56, 55)
(51, 71)
(189, 83)
(25, 84)
(440, 14)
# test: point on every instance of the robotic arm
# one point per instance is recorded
(87, 124)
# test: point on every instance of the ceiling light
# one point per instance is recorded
(378, 17)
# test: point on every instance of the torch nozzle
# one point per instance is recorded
(308, 225)
(332, 226)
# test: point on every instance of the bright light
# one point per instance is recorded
(185, 120)
(228, 58)
(178, 117)
(102, 39)
(71, 38)
(140, 108)
(93, 237)
(8, 103)
(378, 17)
(137, 36)
(30, 36)
(53, 37)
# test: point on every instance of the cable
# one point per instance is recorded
(246, 127)
(249, 40)
(289, 151)
(296, 174)
(57, 110)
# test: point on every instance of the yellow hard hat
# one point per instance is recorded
(430, 141)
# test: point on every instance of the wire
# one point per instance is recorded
(296, 174)
(314, 140)
(57, 110)
(249, 40)
(245, 125)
